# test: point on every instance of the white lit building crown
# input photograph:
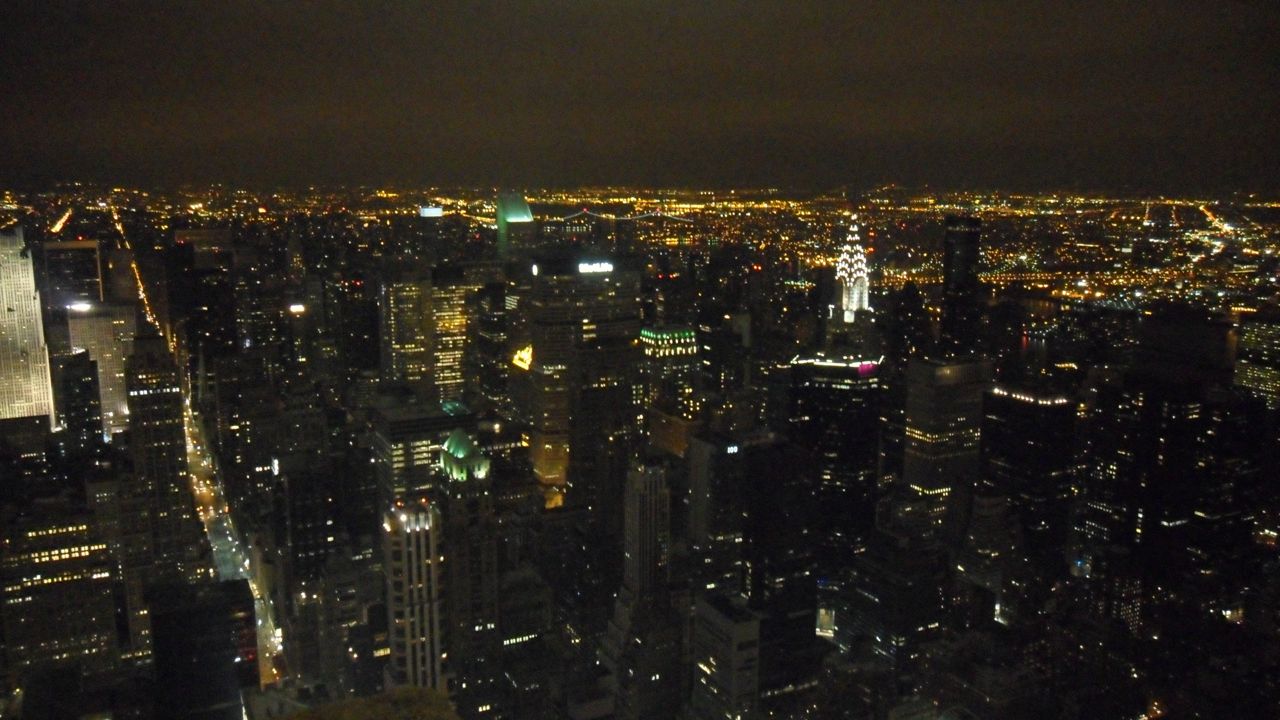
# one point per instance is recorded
(851, 271)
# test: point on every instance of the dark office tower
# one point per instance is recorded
(941, 457)
(75, 395)
(725, 650)
(724, 346)
(906, 330)
(669, 370)
(604, 427)
(413, 563)
(73, 272)
(298, 340)
(626, 235)
(404, 326)
(121, 283)
(892, 595)
(158, 444)
(423, 236)
(517, 230)
(25, 459)
(58, 590)
(990, 572)
(305, 520)
(835, 412)
(106, 330)
(25, 386)
(647, 532)
(525, 621)
(961, 313)
(122, 510)
(1169, 458)
(304, 523)
(470, 578)
(487, 358)
(260, 314)
(641, 650)
(1258, 359)
(718, 472)
(449, 321)
(572, 357)
(781, 570)
(1028, 451)
(200, 635)
(352, 586)
(892, 426)
(353, 318)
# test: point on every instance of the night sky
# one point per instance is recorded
(1146, 96)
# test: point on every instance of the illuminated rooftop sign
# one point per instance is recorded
(297, 308)
(595, 267)
(523, 358)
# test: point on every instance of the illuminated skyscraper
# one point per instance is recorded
(58, 590)
(107, 332)
(470, 576)
(407, 440)
(404, 312)
(516, 228)
(851, 271)
(572, 363)
(450, 317)
(670, 369)
(25, 386)
(1258, 364)
(413, 560)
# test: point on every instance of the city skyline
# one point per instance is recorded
(565, 360)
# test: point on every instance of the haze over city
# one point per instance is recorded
(1154, 97)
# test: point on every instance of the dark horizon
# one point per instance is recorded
(1168, 97)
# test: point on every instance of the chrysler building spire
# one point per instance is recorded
(851, 271)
